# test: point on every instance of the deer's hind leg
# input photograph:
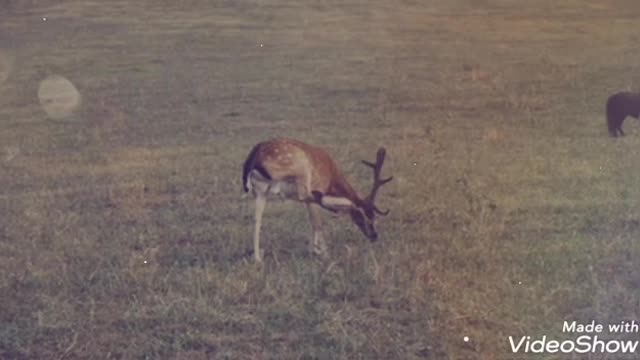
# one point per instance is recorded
(260, 191)
(261, 201)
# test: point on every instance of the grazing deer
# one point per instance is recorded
(306, 173)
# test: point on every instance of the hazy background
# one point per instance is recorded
(124, 230)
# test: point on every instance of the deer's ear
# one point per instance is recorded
(334, 203)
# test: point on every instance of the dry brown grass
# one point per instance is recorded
(124, 232)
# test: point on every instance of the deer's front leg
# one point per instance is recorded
(303, 187)
(318, 246)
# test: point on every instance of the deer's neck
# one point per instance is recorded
(341, 187)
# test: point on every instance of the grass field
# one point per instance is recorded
(124, 231)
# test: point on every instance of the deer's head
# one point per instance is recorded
(363, 212)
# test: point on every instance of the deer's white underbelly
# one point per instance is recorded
(284, 188)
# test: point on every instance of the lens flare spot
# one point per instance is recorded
(58, 97)
(10, 152)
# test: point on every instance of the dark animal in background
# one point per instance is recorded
(619, 106)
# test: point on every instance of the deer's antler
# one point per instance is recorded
(377, 181)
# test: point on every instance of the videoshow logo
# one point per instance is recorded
(589, 342)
